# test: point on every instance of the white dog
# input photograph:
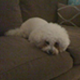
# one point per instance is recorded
(49, 37)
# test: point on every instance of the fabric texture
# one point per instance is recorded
(74, 2)
(72, 74)
(19, 60)
(10, 15)
(69, 15)
(46, 9)
(74, 33)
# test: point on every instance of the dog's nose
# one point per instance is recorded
(50, 52)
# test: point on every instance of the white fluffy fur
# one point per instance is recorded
(38, 31)
(27, 27)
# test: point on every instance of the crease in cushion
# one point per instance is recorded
(46, 9)
(69, 15)
(20, 60)
(74, 48)
(10, 15)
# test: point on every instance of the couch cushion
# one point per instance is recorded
(10, 15)
(74, 33)
(46, 9)
(69, 15)
(19, 60)
(72, 74)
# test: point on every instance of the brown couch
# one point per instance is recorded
(19, 60)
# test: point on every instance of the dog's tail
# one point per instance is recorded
(14, 32)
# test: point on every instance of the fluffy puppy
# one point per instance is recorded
(27, 27)
(49, 37)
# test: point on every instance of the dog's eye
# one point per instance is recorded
(56, 44)
(47, 42)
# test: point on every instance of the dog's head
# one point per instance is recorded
(50, 48)
(50, 38)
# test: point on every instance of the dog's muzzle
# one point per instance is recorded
(50, 52)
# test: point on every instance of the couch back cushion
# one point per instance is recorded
(46, 9)
(10, 15)
(69, 15)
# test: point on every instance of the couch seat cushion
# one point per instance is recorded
(19, 60)
(74, 33)
(72, 74)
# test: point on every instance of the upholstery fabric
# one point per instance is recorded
(74, 2)
(46, 9)
(72, 74)
(10, 15)
(74, 33)
(19, 60)
(69, 15)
